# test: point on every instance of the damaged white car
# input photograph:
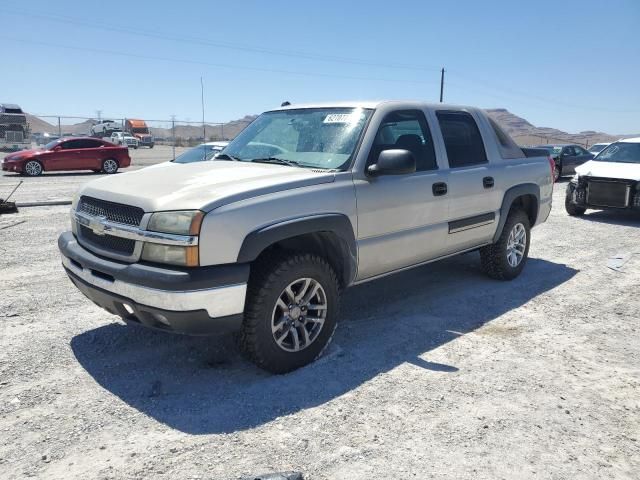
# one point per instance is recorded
(609, 181)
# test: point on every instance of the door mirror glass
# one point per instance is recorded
(393, 162)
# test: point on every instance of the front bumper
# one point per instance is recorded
(196, 301)
(577, 193)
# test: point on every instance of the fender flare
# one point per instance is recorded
(508, 199)
(334, 223)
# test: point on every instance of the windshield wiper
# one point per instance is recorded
(226, 156)
(277, 161)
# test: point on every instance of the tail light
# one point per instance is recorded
(552, 165)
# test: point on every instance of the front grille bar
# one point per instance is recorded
(102, 226)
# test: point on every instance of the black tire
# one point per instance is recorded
(573, 209)
(151, 146)
(107, 166)
(33, 168)
(494, 257)
(267, 284)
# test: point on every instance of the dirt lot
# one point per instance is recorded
(437, 372)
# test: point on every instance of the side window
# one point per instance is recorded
(580, 151)
(71, 145)
(90, 144)
(407, 130)
(461, 138)
(569, 151)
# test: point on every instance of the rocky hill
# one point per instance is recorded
(524, 133)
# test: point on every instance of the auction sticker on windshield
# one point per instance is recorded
(341, 118)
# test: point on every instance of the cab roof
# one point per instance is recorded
(372, 104)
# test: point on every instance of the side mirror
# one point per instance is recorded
(393, 162)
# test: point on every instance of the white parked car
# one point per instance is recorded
(596, 148)
(201, 153)
(105, 128)
(124, 138)
(610, 181)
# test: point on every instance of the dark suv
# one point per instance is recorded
(567, 158)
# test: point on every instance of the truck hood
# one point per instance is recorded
(625, 171)
(200, 185)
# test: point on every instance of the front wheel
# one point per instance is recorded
(33, 168)
(573, 209)
(505, 259)
(110, 166)
(291, 312)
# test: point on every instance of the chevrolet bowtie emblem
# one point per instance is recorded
(98, 225)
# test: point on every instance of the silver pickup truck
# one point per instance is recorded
(306, 201)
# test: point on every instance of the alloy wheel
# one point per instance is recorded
(299, 315)
(33, 168)
(516, 244)
(110, 166)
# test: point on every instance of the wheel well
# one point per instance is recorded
(326, 244)
(528, 203)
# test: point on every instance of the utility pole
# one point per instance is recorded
(441, 84)
(173, 134)
(204, 132)
(99, 114)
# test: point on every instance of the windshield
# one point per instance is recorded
(597, 148)
(200, 153)
(620, 152)
(556, 150)
(315, 137)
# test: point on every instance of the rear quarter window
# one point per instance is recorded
(462, 139)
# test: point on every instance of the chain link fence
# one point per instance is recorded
(37, 130)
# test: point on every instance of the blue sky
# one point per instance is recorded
(573, 65)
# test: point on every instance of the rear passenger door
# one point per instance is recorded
(402, 219)
(471, 183)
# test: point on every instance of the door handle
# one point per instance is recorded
(439, 189)
(488, 182)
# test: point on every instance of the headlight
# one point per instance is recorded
(171, 254)
(179, 223)
(75, 200)
(575, 178)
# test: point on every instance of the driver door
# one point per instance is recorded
(402, 219)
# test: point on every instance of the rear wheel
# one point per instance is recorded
(557, 171)
(33, 168)
(291, 312)
(110, 165)
(505, 259)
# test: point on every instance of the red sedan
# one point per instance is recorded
(81, 153)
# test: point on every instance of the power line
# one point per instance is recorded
(217, 65)
(217, 44)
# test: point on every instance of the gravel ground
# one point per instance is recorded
(437, 372)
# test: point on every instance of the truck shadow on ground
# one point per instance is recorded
(202, 385)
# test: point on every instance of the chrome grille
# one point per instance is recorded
(115, 212)
(119, 245)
